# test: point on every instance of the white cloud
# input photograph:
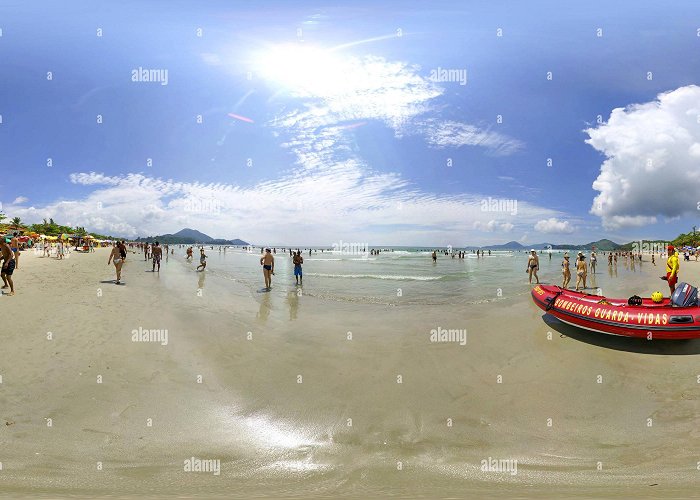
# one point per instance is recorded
(20, 199)
(554, 225)
(314, 209)
(652, 152)
(455, 134)
(333, 195)
(493, 225)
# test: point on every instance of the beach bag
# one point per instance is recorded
(685, 295)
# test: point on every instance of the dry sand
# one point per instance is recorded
(271, 386)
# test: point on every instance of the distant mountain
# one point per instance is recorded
(193, 234)
(600, 245)
(511, 245)
(189, 236)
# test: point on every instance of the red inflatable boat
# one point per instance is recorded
(649, 320)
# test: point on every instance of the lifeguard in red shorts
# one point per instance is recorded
(672, 267)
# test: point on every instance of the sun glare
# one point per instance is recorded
(304, 70)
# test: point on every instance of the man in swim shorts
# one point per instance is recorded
(157, 254)
(268, 263)
(298, 261)
(8, 266)
(14, 246)
(533, 264)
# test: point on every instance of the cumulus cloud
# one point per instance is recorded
(493, 225)
(554, 225)
(651, 167)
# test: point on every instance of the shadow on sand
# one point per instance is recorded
(642, 346)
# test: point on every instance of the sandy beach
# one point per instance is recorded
(301, 396)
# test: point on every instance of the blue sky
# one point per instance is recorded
(319, 123)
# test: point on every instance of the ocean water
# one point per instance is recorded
(410, 277)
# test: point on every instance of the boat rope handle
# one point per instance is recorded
(551, 302)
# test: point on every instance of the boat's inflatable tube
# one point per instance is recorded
(649, 320)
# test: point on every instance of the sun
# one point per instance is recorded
(303, 70)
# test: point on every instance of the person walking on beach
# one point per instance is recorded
(202, 260)
(672, 268)
(116, 257)
(533, 265)
(581, 271)
(8, 266)
(652, 259)
(298, 260)
(565, 271)
(593, 261)
(157, 254)
(189, 253)
(122, 250)
(268, 263)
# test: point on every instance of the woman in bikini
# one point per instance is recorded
(116, 257)
(581, 271)
(565, 271)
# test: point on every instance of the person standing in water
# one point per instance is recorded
(202, 260)
(298, 260)
(533, 265)
(434, 256)
(581, 271)
(268, 263)
(593, 261)
(116, 257)
(565, 271)
(157, 254)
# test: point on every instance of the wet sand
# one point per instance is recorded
(275, 387)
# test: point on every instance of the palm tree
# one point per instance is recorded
(2, 216)
(16, 221)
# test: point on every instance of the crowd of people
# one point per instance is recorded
(582, 267)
